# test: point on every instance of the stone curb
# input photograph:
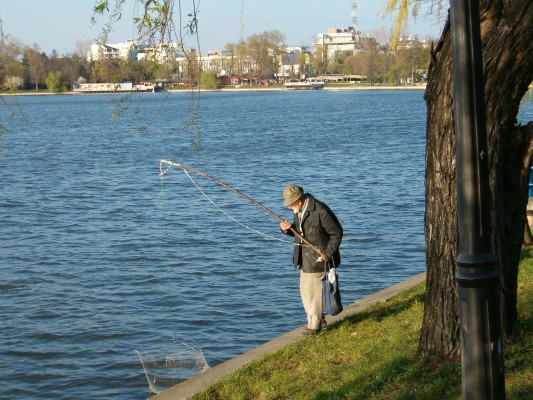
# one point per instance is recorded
(202, 381)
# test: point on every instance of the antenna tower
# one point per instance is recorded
(241, 39)
(355, 7)
(1, 30)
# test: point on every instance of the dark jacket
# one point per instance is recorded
(321, 227)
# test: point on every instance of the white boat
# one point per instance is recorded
(304, 85)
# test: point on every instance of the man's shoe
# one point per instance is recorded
(324, 323)
(310, 331)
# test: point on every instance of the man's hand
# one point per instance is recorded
(321, 259)
(285, 225)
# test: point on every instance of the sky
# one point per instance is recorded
(65, 25)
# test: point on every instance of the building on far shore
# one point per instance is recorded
(131, 51)
(341, 43)
(410, 41)
(120, 51)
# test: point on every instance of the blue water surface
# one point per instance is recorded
(100, 256)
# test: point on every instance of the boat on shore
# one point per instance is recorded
(305, 85)
(124, 87)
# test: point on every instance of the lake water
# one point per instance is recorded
(100, 256)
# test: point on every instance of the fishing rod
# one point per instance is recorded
(269, 211)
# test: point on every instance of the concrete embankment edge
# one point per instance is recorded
(200, 382)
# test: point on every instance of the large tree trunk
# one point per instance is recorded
(506, 28)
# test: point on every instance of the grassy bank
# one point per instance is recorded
(372, 355)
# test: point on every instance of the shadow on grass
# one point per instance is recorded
(394, 306)
(405, 377)
(402, 379)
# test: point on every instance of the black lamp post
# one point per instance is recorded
(477, 275)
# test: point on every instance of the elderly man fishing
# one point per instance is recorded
(315, 222)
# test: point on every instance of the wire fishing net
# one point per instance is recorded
(166, 370)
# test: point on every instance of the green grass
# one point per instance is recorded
(372, 355)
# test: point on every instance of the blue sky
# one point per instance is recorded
(64, 24)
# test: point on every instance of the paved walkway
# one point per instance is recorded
(198, 383)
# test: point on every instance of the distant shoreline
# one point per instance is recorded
(241, 89)
(326, 88)
(232, 89)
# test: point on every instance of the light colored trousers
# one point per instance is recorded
(311, 293)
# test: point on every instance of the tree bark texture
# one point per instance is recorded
(507, 39)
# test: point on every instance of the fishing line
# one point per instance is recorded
(233, 218)
(294, 232)
(224, 211)
(161, 172)
(176, 363)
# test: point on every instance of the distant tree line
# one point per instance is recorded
(259, 55)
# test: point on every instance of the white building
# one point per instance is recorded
(131, 51)
(163, 52)
(121, 51)
(411, 41)
(290, 62)
(341, 43)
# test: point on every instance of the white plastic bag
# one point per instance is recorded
(331, 276)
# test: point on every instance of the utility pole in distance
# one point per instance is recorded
(477, 273)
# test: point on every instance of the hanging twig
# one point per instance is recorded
(269, 211)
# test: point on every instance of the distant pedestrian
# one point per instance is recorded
(317, 224)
